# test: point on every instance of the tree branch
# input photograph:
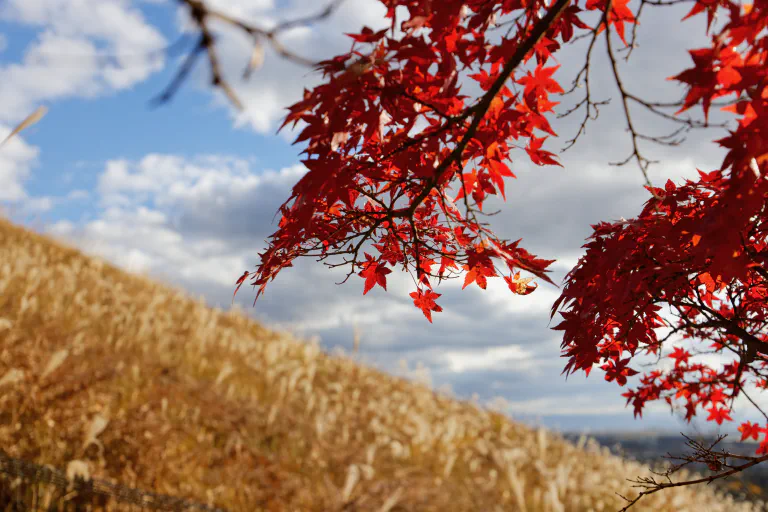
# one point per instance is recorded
(482, 107)
(200, 14)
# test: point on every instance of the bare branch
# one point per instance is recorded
(201, 14)
(701, 454)
(587, 95)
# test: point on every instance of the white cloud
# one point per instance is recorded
(140, 240)
(462, 360)
(16, 159)
(556, 405)
(75, 195)
(148, 223)
(61, 229)
(341, 313)
(114, 21)
(66, 58)
(22, 86)
(251, 10)
(39, 204)
(171, 180)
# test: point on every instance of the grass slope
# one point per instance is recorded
(154, 390)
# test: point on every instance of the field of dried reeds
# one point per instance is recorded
(152, 389)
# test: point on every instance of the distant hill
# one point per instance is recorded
(152, 389)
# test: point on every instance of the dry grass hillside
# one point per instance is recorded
(154, 390)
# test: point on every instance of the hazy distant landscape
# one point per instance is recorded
(652, 447)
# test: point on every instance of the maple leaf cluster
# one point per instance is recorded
(389, 132)
(700, 249)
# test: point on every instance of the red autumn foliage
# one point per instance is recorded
(389, 131)
(699, 249)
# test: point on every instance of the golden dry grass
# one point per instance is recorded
(154, 390)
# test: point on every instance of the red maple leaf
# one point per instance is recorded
(690, 411)
(749, 429)
(713, 68)
(239, 283)
(539, 84)
(425, 301)
(374, 273)
(680, 356)
(621, 13)
(718, 415)
(479, 267)
(538, 155)
(520, 286)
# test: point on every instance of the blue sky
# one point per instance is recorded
(186, 192)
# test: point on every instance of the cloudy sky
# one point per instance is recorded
(186, 192)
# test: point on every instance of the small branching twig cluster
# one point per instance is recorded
(201, 14)
(716, 461)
